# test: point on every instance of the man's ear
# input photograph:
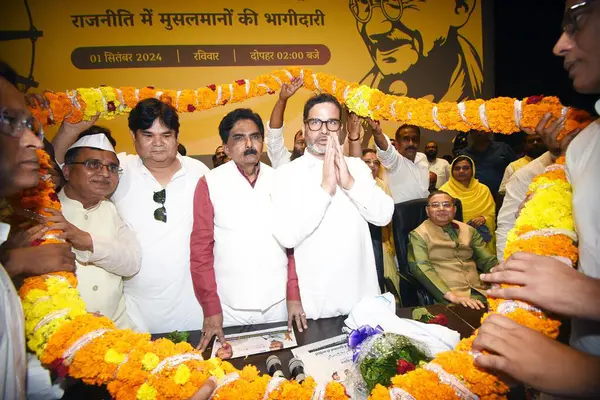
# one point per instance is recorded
(132, 136)
(66, 172)
(462, 12)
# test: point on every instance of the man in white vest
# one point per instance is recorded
(106, 249)
(239, 269)
(321, 206)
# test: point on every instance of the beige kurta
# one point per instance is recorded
(116, 255)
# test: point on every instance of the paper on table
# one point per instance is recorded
(381, 310)
(263, 341)
(327, 359)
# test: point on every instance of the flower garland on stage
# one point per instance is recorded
(87, 346)
(500, 115)
(545, 226)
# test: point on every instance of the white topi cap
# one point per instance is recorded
(98, 141)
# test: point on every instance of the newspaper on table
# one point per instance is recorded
(256, 342)
(326, 360)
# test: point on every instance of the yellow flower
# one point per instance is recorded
(150, 361)
(182, 374)
(114, 357)
(146, 392)
(217, 372)
(358, 101)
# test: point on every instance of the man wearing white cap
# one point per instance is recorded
(106, 249)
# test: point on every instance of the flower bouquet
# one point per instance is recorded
(379, 356)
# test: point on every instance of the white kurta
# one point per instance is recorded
(249, 263)
(116, 255)
(441, 168)
(407, 180)
(12, 335)
(329, 234)
(583, 168)
(276, 150)
(516, 191)
(160, 298)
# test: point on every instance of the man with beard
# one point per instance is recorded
(417, 49)
(534, 148)
(239, 270)
(445, 255)
(322, 204)
(407, 170)
(438, 166)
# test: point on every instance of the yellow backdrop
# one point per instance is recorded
(334, 25)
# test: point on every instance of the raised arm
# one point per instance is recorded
(67, 135)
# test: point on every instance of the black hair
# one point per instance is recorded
(236, 115)
(181, 149)
(71, 154)
(405, 126)
(438, 192)
(7, 72)
(367, 151)
(319, 99)
(147, 111)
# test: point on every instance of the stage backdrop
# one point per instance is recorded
(427, 48)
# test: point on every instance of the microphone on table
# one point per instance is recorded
(274, 367)
(296, 367)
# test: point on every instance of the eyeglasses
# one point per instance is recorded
(315, 124)
(573, 17)
(98, 166)
(363, 9)
(15, 126)
(446, 204)
(160, 214)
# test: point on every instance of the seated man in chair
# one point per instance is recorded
(444, 255)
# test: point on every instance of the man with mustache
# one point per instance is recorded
(106, 249)
(445, 255)
(534, 148)
(417, 48)
(439, 166)
(407, 169)
(155, 197)
(322, 204)
(239, 270)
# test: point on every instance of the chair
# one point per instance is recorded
(407, 217)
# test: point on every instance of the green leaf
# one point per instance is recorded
(421, 312)
(177, 336)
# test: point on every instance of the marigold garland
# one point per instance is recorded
(501, 115)
(88, 347)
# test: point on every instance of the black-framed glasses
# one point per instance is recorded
(574, 17)
(363, 9)
(160, 214)
(98, 166)
(315, 124)
(15, 125)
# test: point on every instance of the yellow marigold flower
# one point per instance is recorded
(146, 392)
(358, 101)
(114, 357)
(182, 374)
(150, 361)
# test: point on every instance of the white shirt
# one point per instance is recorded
(516, 191)
(116, 254)
(441, 168)
(329, 234)
(12, 335)
(276, 150)
(583, 169)
(160, 298)
(407, 180)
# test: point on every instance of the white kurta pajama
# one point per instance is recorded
(160, 298)
(116, 255)
(330, 236)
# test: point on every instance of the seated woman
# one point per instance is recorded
(478, 206)
(445, 255)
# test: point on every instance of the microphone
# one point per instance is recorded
(274, 367)
(296, 367)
